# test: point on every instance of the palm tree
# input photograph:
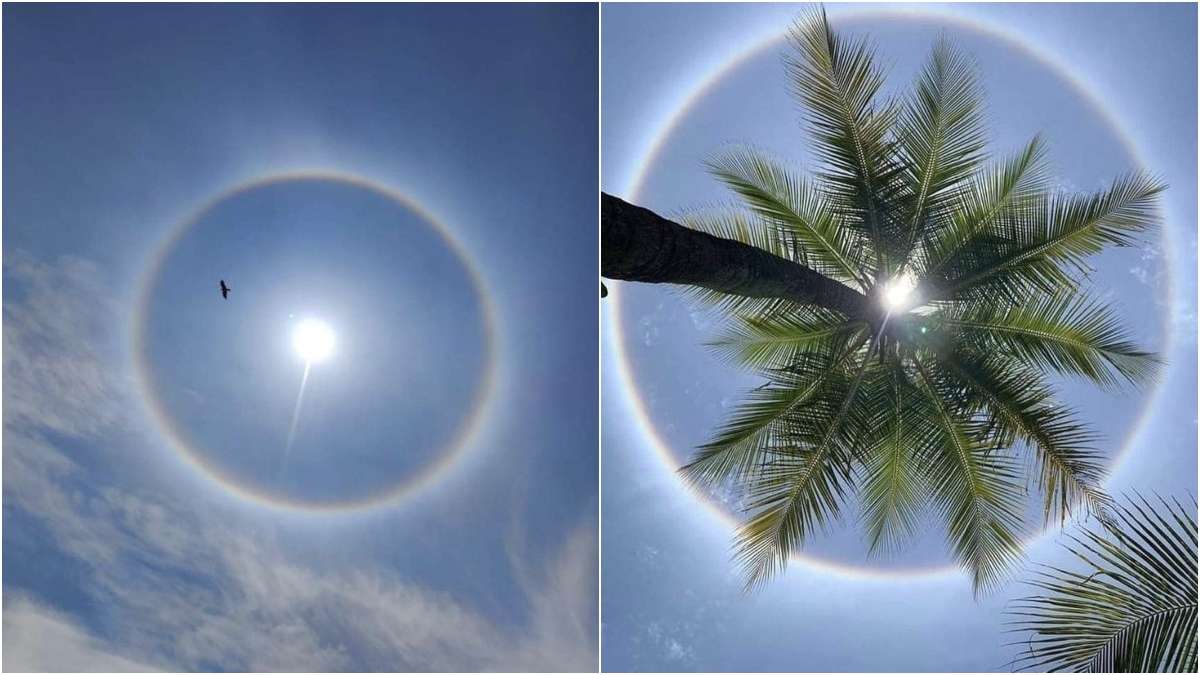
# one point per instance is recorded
(906, 304)
(1133, 606)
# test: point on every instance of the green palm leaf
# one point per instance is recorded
(1021, 407)
(991, 196)
(807, 478)
(836, 80)
(1132, 605)
(974, 487)
(762, 421)
(800, 214)
(940, 134)
(1063, 334)
(894, 488)
(1038, 247)
(773, 340)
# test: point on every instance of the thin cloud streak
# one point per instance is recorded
(184, 588)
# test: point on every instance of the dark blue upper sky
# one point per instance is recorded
(121, 123)
(672, 598)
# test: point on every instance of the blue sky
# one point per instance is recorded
(671, 596)
(123, 123)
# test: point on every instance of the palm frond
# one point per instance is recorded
(894, 487)
(1034, 252)
(974, 488)
(1132, 605)
(762, 421)
(806, 229)
(1066, 335)
(806, 480)
(767, 341)
(989, 197)
(1021, 407)
(837, 81)
(940, 134)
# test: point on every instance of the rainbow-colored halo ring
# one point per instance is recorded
(417, 482)
(641, 169)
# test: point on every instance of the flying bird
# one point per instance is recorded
(224, 290)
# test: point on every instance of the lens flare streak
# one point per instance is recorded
(291, 437)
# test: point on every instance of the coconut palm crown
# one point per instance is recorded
(935, 397)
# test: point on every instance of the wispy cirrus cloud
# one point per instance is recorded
(58, 373)
(189, 589)
(39, 639)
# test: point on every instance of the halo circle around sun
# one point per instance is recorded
(314, 341)
(900, 296)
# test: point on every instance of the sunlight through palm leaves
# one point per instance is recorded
(936, 400)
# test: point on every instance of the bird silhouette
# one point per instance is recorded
(224, 290)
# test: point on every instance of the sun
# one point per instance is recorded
(898, 294)
(313, 340)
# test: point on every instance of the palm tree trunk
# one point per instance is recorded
(640, 245)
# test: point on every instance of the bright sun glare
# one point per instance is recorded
(313, 340)
(898, 294)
